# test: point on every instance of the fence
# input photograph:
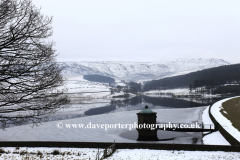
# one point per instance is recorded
(109, 151)
(186, 127)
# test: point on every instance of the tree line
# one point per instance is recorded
(212, 77)
(99, 78)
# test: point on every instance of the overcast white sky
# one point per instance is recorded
(144, 30)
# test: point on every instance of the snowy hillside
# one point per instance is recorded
(138, 71)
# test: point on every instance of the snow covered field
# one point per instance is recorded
(144, 154)
(81, 88)
(215, 138)
(120, 154)
(48, 153)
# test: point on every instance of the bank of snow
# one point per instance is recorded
(214, 138)
(127, 154)
(205, 117)
(42, 153)
(143, 154)
(223, 121)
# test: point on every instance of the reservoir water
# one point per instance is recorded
(115, 111)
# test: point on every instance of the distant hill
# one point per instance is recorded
(140, 71)
(99, 78)
(211, 77)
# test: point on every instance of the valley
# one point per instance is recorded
(110, 95)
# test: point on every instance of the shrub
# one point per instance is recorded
(55, 152)
(2, 150)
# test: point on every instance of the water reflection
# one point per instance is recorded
(167, 137)
(100, 110)
(171, 102)
(138, 102)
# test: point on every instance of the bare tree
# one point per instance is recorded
(30, 77)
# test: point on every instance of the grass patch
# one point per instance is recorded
(231, 110)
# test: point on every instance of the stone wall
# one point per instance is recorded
(155, 146)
